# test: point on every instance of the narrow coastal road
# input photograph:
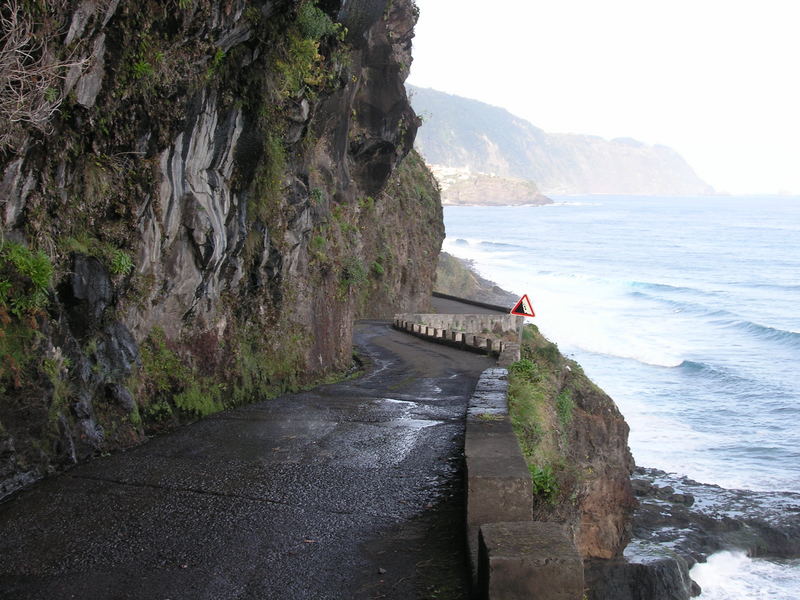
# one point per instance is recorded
(351, 490)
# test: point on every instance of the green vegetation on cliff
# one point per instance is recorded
(25, 278)
(456, 277)
(453, 278)
(540, 404)
(575, 443)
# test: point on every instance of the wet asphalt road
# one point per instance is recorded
(351, 490)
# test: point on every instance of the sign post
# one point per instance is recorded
(523, 308)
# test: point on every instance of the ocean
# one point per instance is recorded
(687, 312)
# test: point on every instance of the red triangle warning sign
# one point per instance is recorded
(523, 308)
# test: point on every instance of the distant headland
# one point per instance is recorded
(500, 152)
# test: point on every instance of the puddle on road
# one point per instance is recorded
(393, 401)
(407, 439)
(391, 439)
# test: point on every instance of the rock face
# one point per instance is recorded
(221, 189)
(465, 133)
(650, 574)
(596, 445)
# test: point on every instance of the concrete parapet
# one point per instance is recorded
(496, 324)
(528, 560)
(509, 354)
(489, 398)
(447, 329)
(499, 484)
(511, 555)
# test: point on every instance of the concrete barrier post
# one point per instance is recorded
(530, 560)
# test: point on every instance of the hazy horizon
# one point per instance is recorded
(712, 81)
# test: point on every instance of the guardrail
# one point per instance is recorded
(450, 332)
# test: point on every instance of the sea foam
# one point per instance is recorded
(734, 576)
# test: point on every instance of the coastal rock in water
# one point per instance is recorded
(764, 524)
(461, 187)
(647, 572)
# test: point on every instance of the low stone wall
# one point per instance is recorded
(444, 329)
(512, 556)
(481, 324)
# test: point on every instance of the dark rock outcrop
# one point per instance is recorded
(697, 519)
(648, 574)
(221, 189)
(680, 522)
(597, 449)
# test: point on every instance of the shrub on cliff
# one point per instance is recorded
(24, 279)
(575, 443)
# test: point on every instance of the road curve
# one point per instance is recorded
(351, 490)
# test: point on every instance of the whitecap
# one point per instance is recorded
(734, 576)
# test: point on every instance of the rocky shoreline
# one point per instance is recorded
(698, 519)
(693, 520)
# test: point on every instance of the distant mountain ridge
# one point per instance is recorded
(459, 132)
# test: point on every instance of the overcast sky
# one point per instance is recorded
(716, 80)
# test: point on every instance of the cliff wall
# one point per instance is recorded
(198, 197)
(575, 441)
